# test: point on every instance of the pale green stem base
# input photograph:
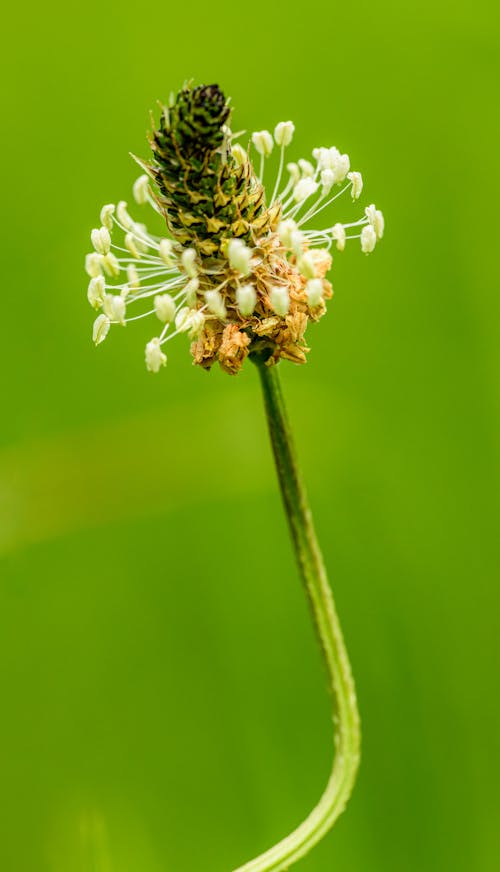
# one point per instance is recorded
(312, 570)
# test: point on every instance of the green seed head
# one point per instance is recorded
(206, 195)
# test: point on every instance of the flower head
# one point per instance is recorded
(239, 269)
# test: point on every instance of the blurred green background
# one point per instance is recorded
(163, 701)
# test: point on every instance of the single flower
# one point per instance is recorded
(240, 268)
(242, 271)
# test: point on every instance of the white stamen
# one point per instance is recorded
(101, 240)
(96, 292)
(283, 133)
(239, 256)
(338, 233)
(376, 219)
(93, 264)
(188, 262)
(189, 321)
(280, 300)
(327, 181)
(314, 291)
(110, 264)
(215, 304)
(106, 215)
(166, 250)
(263, 142)
(340, 167)
(304, 189)
(100, 329)
(165, 308)
(297, 242)
(239, 154)
(141, 190)
(357, 184)
(123, 217)
(306, 168)
(246, 299)
(191, 291)
(285, 230)
(306, 266)
(322, 156)
(368, 239)
(114, 307)
(155, 357)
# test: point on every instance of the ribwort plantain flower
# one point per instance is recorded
(240, 269)
(242, 272)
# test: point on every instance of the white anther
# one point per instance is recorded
(106, 215)
(306, 168)
(122, 215)
(189, 321)
(191, 291)
(165, 308)
(327, 181)
(285, 230)
(239, 256)
(283, 133)
(100, 329)
(304, 189)
(96, 292)
(166, 250)
(263, 142)
(376, 219)
(246, 299)
(306, 266)
(356, 180)
(297, 242)
(368, 239)
(338, 233)
(141, 190)
(114, 307)
(215, 304)
(322, 155)
(239, 154)
(293, 169)
(155, 357)
(101, 240)
(110, 264)
(314, 292)
(189, 262)
(280, 300)
(93, 264)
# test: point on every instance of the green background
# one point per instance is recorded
(163, 702)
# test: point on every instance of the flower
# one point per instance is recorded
(239, 268)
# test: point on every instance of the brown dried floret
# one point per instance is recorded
(206, 346)
(233, 349)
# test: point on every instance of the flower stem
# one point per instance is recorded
(340, 680)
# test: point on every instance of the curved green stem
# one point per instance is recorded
(312, 570)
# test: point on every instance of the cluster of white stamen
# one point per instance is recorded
(311, 189)
(158, 276)
(162, 280)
